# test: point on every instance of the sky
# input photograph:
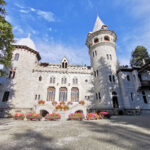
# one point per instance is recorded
(59, 27)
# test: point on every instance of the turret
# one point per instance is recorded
(102, 51)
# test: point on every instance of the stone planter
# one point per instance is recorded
(52, 118)
(72, 117)
(34, 118)
(19, 117)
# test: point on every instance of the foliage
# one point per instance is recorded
(41, 102)
(139, 55)
(54, 103)
(6, 39)
(91, 116)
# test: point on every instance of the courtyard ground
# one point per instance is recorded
(120, 132)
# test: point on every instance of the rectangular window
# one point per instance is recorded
(99, 96)
(6, 96)
(35, 97)
(107, 57)
(12, 74)
(110, 57)
(39, 97)
(96, 96)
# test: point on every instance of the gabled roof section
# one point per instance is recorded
(64, 59)
(98, 24)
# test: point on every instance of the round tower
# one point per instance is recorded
(102, 51)
(24, 59)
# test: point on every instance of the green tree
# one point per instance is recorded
(139, 56)
(6, 39)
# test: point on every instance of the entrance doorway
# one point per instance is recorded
(115, 100)
(43, 113)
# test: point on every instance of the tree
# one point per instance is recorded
(6, 39)
(139, 56)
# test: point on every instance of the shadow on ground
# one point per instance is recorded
(118, 134)
(31, 140)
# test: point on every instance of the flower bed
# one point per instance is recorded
(76, 116)
(53, 116)
(104, 115)
(33, 116)
(41, 102)
(92, 116)
(19, 116)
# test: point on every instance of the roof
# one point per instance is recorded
(26, 42)
(98, 24)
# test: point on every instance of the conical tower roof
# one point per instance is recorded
(98, 24)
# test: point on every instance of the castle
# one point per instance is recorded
(103, 86)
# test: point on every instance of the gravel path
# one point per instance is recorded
(120, 132)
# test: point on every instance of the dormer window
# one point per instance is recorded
(106, 38)
(64, 63)
(96, 40)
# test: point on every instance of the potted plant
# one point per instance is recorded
(82, 102)
(69, 103)
(53, 116)
(65, 107)
(41, 102)
(62, 102)
(92, 116)
(54, 103)
(33, 116)
(19, 116)
(104, 115)
(76, 116)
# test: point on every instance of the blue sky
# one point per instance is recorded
(60, 27)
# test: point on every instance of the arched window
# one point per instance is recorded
(106, 38)
(51, 94)
(63, 94)
(64, 64)
(16, 57)
(74, 94)
(96, 40)
(40, 78)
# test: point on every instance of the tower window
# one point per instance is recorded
(110, 57)
(6, 96)
(96, 96)
(132, 96)
(99, 96)
(40, 78)
(113, 78)
(16, 57)
(106, 38)
(97, 72)
(128, 77)
(93, 54)
(110, 78)
(12, 73)
(144, 97)
(96, 40)
(107, 57)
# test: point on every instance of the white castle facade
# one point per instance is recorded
(103, 86)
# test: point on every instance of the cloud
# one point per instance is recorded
(47, 15)
(18, 29)
(54, 52)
